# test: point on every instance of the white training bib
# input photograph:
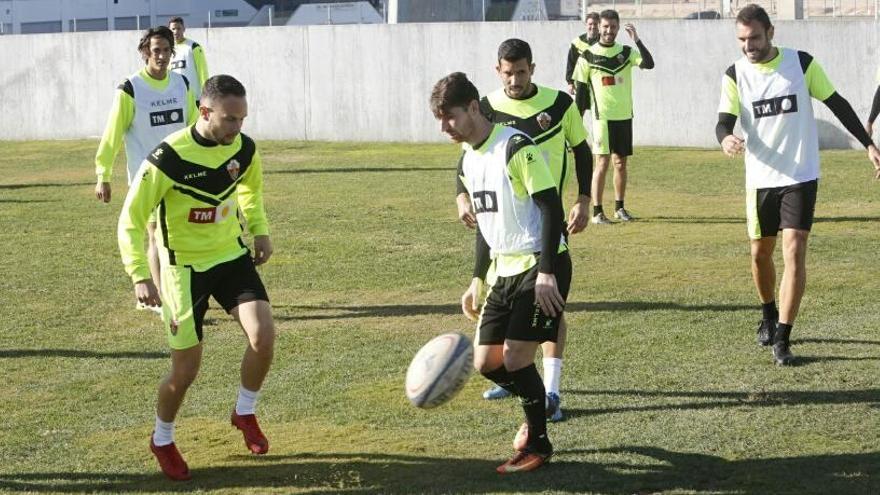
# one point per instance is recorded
(156, 115)
(510, 224)
(184, 63)
(782, 145)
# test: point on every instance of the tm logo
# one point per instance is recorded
(485, 202)
(166, 117)
(774, 106)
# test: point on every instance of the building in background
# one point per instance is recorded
(56, 16)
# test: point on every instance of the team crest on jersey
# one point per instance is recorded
(233, 167)
(620, 58)
(544, 120)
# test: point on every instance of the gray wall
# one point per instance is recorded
(371, 82)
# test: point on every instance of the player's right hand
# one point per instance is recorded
(547, 295)
(146, 292)
(732, 145)
(470, 304)
(102, 191)
(465, 214)
(571, 88)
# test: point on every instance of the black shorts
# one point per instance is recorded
(775, 208)
(185, 294)
(613, 136)
(510, 311)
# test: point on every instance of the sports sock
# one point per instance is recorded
(618, 204)
(247, 401)
(770, 311)
(502, 378)
(597, 209)
(528, 381)
(163, 433)
(783, 331)
(552, 373)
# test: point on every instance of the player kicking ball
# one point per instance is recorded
(520, 256)
(199, 177)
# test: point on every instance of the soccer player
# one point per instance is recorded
(148, 106)
(189, 57)
(581, 91)
(607, 67)
(520, 255)
(771, 89)
(875, 108)
(551, 119)
(199, 177)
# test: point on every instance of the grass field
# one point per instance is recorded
(663, 387)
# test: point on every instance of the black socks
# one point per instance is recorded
(770, 311)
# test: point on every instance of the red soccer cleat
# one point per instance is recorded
(170, 461)
(522, 462)
(254, 439)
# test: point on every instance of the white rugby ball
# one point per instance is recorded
(439, 370)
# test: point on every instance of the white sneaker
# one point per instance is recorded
(623, 215)
(601, 219)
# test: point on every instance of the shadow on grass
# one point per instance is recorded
(845, 219)
(706, 220)
(76, 353)
(34, 185)
(291, 312)
(616, 471)
(354, 170)
(695, 401)
(742, 220)
(811, 340)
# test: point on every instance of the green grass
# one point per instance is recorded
(663, 387)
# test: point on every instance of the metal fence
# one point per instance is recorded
(711, 9)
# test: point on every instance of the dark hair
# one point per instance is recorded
(222, 85)
(178, 20)
(610, 15)
(161, 32)
(592, 15)
(514, 49)
(453, 90)
(751, 13)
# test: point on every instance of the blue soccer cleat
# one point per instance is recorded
(496, 393)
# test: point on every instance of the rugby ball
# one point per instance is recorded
(439, 370)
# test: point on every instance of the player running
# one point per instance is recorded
(771, 89)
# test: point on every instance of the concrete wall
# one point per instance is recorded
(371, 82)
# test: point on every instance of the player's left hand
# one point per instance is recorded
(578, 217)
(631, 31)
(262, 249)
(874, 156)
(547, 294)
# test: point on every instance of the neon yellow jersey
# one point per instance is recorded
(550, 118)
(608, 71)
(199, 187)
